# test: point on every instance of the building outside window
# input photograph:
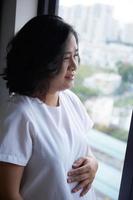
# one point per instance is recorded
(104, 81)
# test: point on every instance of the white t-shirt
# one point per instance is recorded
(46, 140)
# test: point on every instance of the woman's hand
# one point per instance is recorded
(83, 172)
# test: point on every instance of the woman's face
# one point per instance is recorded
(65, 79)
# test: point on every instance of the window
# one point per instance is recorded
(104, 82)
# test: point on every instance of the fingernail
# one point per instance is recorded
(74, 190)
(75, 163)
(69, 180)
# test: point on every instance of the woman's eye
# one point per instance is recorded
(66, 58)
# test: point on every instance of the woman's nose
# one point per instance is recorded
(73, 64)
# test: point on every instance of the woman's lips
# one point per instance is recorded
(70, 77)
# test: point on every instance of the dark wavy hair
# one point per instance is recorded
(34, 55)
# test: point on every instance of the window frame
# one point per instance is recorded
(48, 7)
(126, 187)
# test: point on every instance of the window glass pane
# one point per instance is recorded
(104, 81)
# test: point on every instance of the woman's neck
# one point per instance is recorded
(52, 99)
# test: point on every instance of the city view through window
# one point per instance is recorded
(104, 81)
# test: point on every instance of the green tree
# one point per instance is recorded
(126, 71)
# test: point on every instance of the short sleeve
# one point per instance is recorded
(15, 138)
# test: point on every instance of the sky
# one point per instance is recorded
(123, 9)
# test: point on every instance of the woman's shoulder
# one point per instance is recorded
(72, 99)
(14, 106)
(70, 95)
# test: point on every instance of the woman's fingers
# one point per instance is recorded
(78, 163)
(81, 170)
(84, 186)
(80, 186)
(85, 190)
(78, 178)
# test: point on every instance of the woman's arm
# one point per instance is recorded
(10, 179)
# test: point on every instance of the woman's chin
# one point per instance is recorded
(70, 85)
